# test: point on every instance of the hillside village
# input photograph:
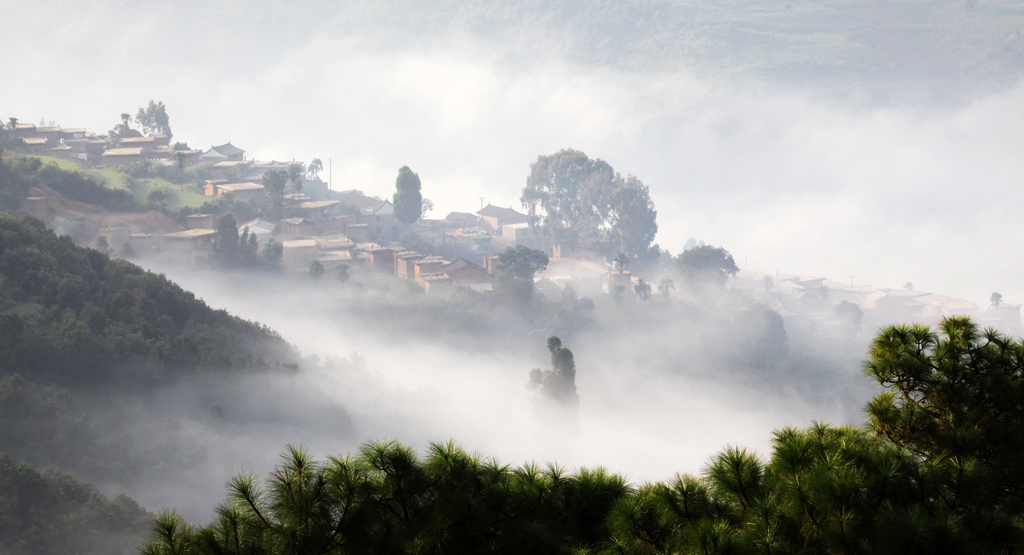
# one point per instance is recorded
(339, 230)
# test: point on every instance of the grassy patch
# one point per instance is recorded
(68, 165)
(111, 179)
(176, 198)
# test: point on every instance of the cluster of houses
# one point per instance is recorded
(98, 151)
(352, 228)
(809, 303)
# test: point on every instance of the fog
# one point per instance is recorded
(865, 156)
(655, 398)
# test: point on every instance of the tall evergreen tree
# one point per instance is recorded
(408, 199)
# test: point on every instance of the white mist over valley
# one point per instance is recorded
(804, 139)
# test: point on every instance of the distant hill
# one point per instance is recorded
(877, 45)
(50, 512)
(83, 336)
(75, 317)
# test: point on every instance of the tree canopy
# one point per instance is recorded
(955, 399)
(559, 383)
(707, 263)
(408, 199)
(517, 266)
(583, 202)
(153, 119)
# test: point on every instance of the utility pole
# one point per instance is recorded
(330, 174)
(481, 203)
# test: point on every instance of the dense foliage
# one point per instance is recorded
(935, 473)
(51, 512)
(408, 200)
(584, 203)
(517, 267)
(74, 316)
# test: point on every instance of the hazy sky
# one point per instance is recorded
(809, 178)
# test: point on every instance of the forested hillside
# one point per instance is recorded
(76, 317)
(51, 512)
(83, 339)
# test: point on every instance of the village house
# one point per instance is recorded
(297, 227)
(521, 234)
(298, 254)
(317, 210)
(231, 170)
(262, 229)
(360, 233)
(493, 217)
(199, 221)
(378, 214)
(241, 191)
(461, 219)
(23, 130)
(405, 264)
(191, 246)
(435, 283)
(430, 265)
(145, 143)
(51, 133)
(464, 272)
(71, 134)
(382, 260)
(224, 152)
(121, 156)
(34, 144)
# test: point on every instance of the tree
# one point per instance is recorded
(270, 255)
(954, 400)
(665, 287)
(123, 130)
(158, 197)
(583, 202)
(295, 172)
(408, 200)
(642, 290)
(316, 270)
(274, 182)
(314, 168)
(179, 162)
(153, 119)
(518, 265)
(102, 245)
(707, 264)
(225, 243)
(428, 205)
(559, 383)
(996, 299)
(342, 273)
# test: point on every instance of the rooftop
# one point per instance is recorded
(136, 151)
(190, 234)
(498, 212)
(299, 243)
(233, 187)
